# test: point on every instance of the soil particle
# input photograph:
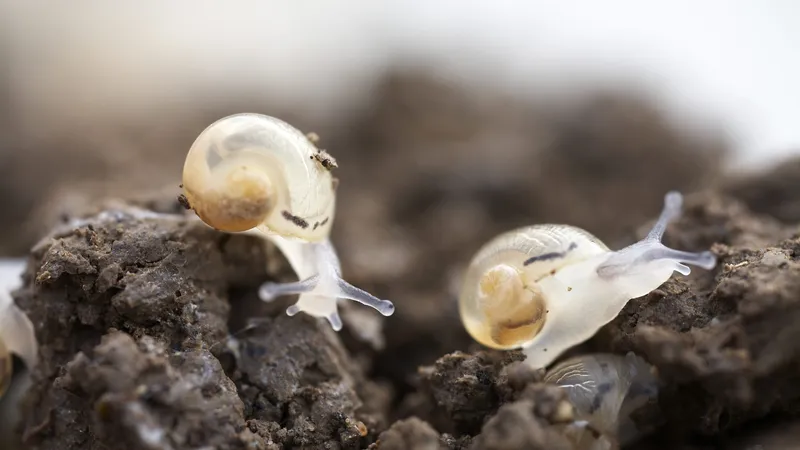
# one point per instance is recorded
(162, 278)
(143, 397)
(294, 371)
(414, 433)
(409, 433)
(526, 423)
(498, 400)
(469, 388)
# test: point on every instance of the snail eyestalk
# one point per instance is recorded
(319, 291)
(650, 256)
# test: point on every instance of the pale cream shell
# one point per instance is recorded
(563, 243)
(304, 190)
(16, 337)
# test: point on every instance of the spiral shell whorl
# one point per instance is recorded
(251, 170)
(512, 311)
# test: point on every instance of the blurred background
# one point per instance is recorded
(105, 98)
(452, 121)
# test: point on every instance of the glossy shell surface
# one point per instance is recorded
(535, 251)
(251, 170)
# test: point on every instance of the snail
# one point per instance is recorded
(605, 390)
(257, 174)
(16, 330)
(547, 288)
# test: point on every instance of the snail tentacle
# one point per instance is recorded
(650, 252)
(351, 292)
(320, 285)
(673, 203)
(270, 291)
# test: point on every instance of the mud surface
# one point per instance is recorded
(152, 336)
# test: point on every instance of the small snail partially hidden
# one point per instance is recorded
(546, 288)
(605, 390)
(16, 330)
(255, 173)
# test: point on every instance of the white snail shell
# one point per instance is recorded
(546, 288)
(500, 303)
(16, 330)
(254, 171)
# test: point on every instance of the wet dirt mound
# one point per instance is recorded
(131, 315)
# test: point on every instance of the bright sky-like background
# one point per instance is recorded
(731, 62)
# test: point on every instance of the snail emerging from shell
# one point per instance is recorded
(547, 288)
(256, 174)
(17, 336)
(605, 390)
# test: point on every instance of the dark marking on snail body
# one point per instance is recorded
(549, 256)
(295, 220)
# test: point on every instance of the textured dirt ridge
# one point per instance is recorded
(132, 315)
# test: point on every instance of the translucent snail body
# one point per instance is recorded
(16, 330)
(546, 288)
(257, 174)
(605, 390)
